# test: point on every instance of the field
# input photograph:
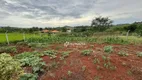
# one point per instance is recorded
(79, 58)
(16, 36)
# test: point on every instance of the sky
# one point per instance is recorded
(55, 13)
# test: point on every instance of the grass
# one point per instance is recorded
(16, 37)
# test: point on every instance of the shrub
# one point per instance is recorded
(28, 76)
(139, 54)
(108, 49)
(10, 69)
(122, 53)
(86, 52)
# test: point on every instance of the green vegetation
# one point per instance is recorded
(69, 73)
(122, 53)
(50, 53)
(15, 37)
(96, 61)
(83, 68)
(86, 52)
(64, 55)
(139, 54)
(8, 49)
(30, 59)
(10, 69)
(28, 76)
(108, 49)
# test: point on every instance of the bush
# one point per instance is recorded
(10, 69)
(108, 49)
(86, 52)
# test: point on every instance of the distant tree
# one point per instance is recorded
(131, 27)
(101, 22)
(64, 29)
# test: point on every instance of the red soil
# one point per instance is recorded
(127, 68)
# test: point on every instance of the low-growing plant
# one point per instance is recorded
(96, 61)
(10, 69)
(122, 53)
(64, 55)
(28, 76)
(108, 49)
(29, 59)
(139, 54)
(8, 49)
(83, 68)
(86, 52)
(69, 73)
(50, 53)
(97, 78)
(105, 58)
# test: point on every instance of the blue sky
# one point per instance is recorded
(54, 13)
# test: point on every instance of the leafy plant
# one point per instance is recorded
(8, 49)
(28, 76)
(139, 54)
(96, 60)
(105, 58)
(64, 55)
(97, 78)
(86, 52)
(83, 68)
(69, 73)
(50, 53)
(108, 49)
(29, 59)
(122, 53)
(10, 69)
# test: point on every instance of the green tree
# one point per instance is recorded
(101, 23)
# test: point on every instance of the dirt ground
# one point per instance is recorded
(80, 67)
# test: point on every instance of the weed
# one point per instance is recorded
(108, 49)
(122, 53)
(86, 52)
(129, 72)
(96, 60)
(83, 68)
(97, 78)
(64, 55)
(69, 73)
(105, 58)
(9, 49)
(98, 67)
(29, 76)
(50, 53)
(107, 65)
